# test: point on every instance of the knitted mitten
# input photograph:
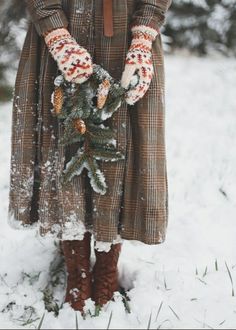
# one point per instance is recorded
(73, 60)
(139, 61)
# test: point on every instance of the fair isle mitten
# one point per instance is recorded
(139, 62)
(73, 60)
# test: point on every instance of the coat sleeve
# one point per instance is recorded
(46, 15)
(150, 13)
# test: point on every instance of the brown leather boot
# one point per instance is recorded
(105, 274)
(79, 277)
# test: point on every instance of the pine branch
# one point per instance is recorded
(76, 139)
(97, 179)
(102, 131)
(84, 103)
(103, 147)
(69, 133)
(99, 141)
(101, 135)
(76, 96)
(74, 167)
(100, 74)
(115, 97)
(108, 155)
(68, 122)
(71, 117)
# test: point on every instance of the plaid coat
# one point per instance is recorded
(136, 203)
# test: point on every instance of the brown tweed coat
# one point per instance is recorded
(136, 203)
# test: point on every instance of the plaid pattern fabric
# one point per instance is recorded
(136, 203)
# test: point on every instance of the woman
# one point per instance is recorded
(70, 36)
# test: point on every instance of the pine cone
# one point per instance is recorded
(79, 125)
(102, 93)
(58, 100)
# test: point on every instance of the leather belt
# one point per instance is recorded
(108, 18)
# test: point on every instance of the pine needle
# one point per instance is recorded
(202, 281)
(149, 321)
(159, 327)
(41, 322)
(109, 322)
(76, 321)
(205, 272)
(204, 324)
(97, 310)
(165, 284)
(125, 299)
(159, 310)
(231, 279)
(176, 315)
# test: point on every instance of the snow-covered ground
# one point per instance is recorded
(183, 283)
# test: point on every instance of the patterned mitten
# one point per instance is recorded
(139, 62)
(73, 61)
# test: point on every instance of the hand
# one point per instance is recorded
(139, 62)
(73, 61)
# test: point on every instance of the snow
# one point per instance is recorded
(74, 229)
(199, 3)
(106, 246)
(182, 283)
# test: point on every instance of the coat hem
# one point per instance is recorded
(100, 245)
(160, 238)
(17, 224)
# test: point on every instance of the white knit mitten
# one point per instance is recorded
(73, 60)
(139, 62)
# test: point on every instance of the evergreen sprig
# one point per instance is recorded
(98, 141)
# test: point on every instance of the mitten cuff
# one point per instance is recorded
(56, 35)
(144, 32)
